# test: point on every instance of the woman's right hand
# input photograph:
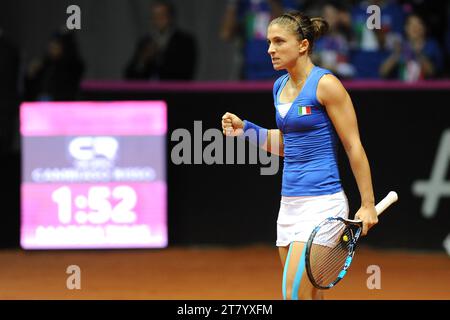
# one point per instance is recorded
(232, 125)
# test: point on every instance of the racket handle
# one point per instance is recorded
(386, 202)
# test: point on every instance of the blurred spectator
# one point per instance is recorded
(249, 20)
(392, 21)
(369, 48)
(331, 51)
(57, 75)
(435, 13)
(9, 96)
(167, 53)
(418, 57)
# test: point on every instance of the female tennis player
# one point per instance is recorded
(313, 109)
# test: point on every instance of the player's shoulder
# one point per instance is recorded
(329, 82)
(330, 87)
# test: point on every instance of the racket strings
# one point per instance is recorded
(329, 252)
(327, 255)
(327, 264)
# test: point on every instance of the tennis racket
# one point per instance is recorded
(331, 246)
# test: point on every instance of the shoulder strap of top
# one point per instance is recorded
(313, 82)
(277, 85)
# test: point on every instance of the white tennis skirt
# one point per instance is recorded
(299, 215)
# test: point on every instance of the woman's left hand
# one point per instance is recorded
(369, 217)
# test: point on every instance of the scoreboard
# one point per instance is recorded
(93, 175)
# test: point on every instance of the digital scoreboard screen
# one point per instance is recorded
(93, 175)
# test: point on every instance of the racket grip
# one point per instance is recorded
(386, 202)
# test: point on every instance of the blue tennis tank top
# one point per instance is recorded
(310, 141)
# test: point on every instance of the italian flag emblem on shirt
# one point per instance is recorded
(303, 111)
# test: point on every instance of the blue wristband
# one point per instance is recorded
(254, 133)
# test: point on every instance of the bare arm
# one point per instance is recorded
(339, 106)
(426, 65)
(232, 125)
(390, 63)
(274, 143)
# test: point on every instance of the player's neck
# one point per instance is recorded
(300, 73)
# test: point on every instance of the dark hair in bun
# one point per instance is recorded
(304, 26)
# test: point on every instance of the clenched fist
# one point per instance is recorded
(232, 125)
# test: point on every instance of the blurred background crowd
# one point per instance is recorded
(203, 40)
(411, 44)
